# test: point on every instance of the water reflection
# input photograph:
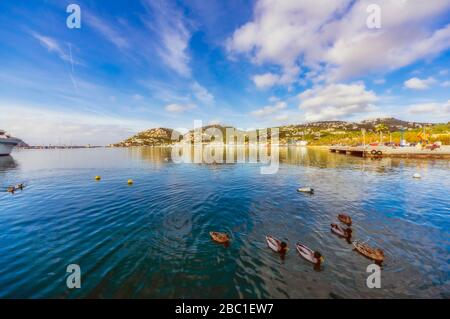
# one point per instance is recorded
(151, 240)
(7, 162)
(292, 155)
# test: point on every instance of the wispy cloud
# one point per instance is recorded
(171, 28)
(336, 101)
(52, 45)
(202, 94)
(270, 109)
(179, 108)
(107, 30)
(419, 84)
(334, 34)
(66, 127)
(379, 81)
(431, 108)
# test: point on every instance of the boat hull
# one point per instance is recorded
(6, 146)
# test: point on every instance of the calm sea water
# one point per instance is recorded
(150, 240)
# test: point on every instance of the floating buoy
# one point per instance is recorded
(417, 175)
(97, 178)
(308, 190)
(130, 182)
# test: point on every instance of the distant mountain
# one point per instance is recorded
(391, 123)
(207, 133)
(309, 131)
(152, 137)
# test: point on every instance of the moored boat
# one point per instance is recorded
(7, 143)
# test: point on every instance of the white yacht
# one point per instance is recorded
(7, 143)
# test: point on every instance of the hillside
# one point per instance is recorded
(207, 131)
(152, 137)
(316, 133)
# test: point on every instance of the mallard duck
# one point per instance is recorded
(221, 238)
(11, 189)
(343, 218)
(343, 232)
(376, 254)
(314, 257)
(276, 245)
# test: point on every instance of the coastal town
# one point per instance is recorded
(370, 138)
(388, 133)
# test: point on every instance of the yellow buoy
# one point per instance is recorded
(130, 182)
(97, 178)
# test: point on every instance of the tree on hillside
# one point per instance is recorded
(381, 128)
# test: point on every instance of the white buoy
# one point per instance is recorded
(305, 190)
(417, 175)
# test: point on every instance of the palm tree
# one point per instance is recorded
(380, 128)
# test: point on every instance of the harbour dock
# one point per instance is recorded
(388, 151)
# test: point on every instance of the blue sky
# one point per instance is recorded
(135, 65)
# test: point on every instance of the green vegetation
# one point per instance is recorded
(437, 133)
(316, 133)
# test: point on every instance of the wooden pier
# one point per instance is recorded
(386, 151)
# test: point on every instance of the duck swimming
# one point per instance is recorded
(376, 254)
(342, 232)
(11, 189)
(343, 218)
(277, 245)
(314, 257)
(221, 238)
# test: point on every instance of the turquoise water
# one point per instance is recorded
(150, 240)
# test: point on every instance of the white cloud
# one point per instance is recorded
(137, 97)
(202, 94)
(431, 108)
(419, 84)
(38, 125)
(105, 29)
(173, 51)
(52, 46)
(179, 108)
(173, 34)
(332, 36)
(281, 117)
(336, 101)
(445, 84)
(266, 80)
(214, 122)
(274, 99)
(270, 109)
(379, 81)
